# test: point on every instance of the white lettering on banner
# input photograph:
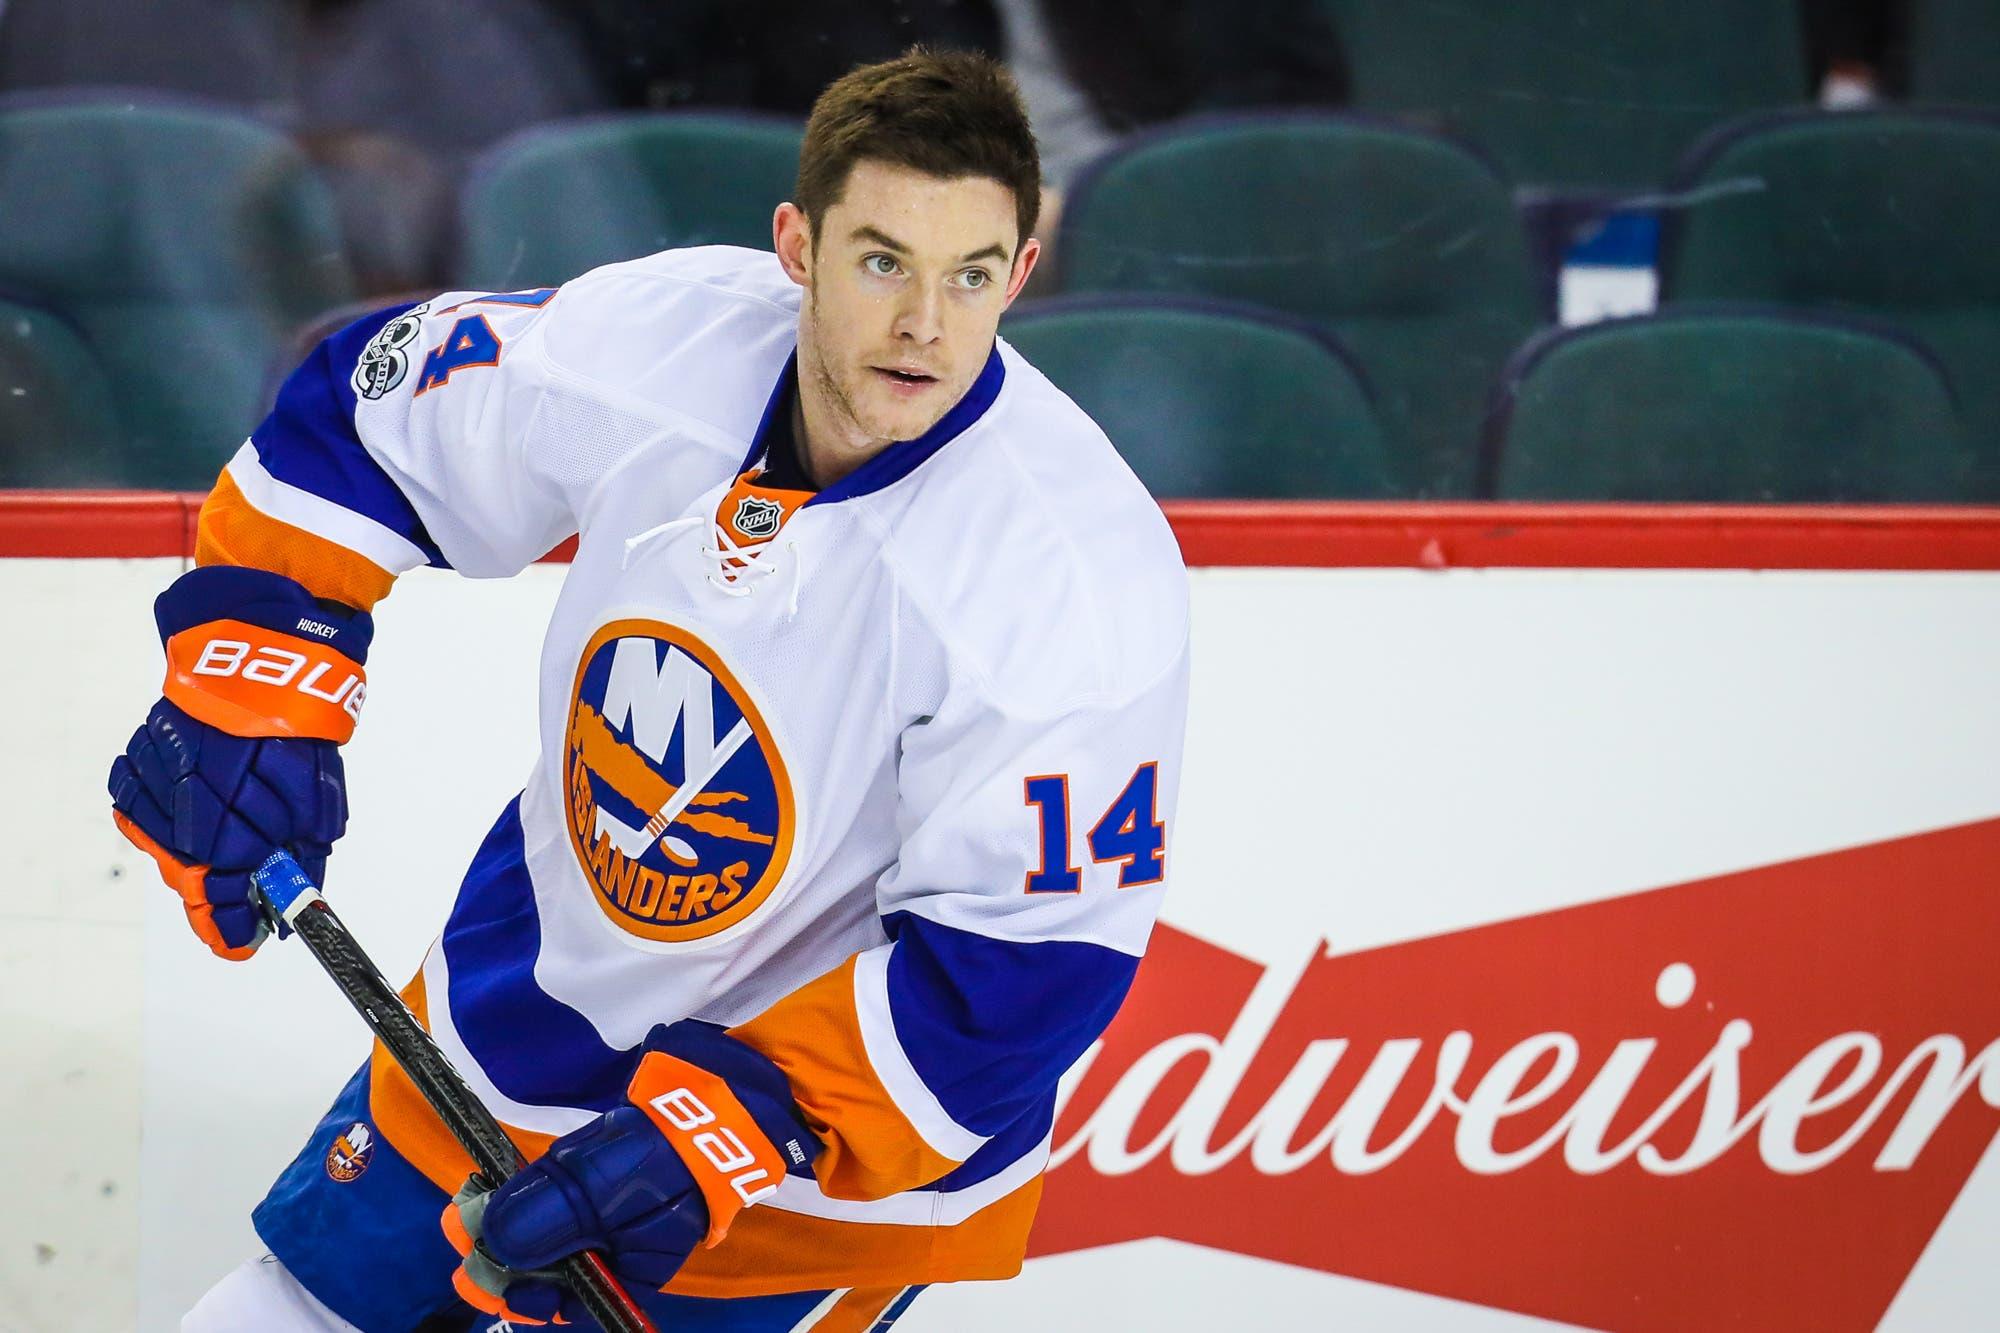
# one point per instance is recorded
(1811, 1086)
(1497, 1096)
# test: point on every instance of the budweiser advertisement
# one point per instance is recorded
(1572, 922)
(1746, 1101)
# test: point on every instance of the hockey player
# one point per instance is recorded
(861, 720)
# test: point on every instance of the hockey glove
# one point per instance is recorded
(711, 1129)
(240, 757)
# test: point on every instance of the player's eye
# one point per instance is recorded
(974, 278)
(882, 266)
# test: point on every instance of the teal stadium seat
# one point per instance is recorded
(1725, 405)
(557, 200)
(1209, 399)
(57, 423)
(1574, 95)
(183, 244)
(1955, 52)
(1889, 214)
(1402, 244)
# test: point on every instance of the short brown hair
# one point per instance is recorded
(945, 113)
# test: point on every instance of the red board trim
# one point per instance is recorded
(1470, 535)
(1233, 533)
(96, 524)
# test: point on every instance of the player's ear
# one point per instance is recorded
(1024, 264)
(791, 237)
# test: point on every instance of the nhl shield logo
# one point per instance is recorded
(758, 519)
(350, 1154)
(678, 805)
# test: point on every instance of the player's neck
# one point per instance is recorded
(826, 451)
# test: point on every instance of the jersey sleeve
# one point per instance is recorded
(1034, 856)
(404, 439)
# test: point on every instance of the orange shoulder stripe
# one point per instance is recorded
(232, 531)
(871, 1148)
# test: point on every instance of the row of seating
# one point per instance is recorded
(1206, 398)
(1407, 246)
(1401, 243)
(1565, 94)
(1603, 96)
(173, 246)
(1722, 403)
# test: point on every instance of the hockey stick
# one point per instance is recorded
(290, 895)
(633, 843)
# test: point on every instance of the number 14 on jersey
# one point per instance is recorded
(1130, 833)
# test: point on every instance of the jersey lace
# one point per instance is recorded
(735, 570)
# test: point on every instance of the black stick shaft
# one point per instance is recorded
(463, 1114)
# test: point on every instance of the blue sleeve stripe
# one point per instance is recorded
(309, 441)
(990, 1025)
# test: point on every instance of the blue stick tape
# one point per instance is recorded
(282, 882)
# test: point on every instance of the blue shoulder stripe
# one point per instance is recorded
(309, 440)
(990, 1025)
(491, 942)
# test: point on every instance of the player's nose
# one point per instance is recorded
(920, 316)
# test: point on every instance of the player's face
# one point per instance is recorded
(904, 290)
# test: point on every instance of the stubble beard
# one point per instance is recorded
(826, 379)
(827, 382)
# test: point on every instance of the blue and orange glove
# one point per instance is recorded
(711, 1128)
(241, 756)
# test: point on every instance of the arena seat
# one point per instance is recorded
(57, 423)
(183, 243)
(1955, 52)
(1208, 398)
(1574, 94)
(1890, 213)
(549, 203)
(1724, 403)
(1402, 244)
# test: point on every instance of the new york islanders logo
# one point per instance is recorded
(679, 807)
(350, 1154)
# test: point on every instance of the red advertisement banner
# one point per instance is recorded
(1741, 1102)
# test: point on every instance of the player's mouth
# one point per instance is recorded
(904, 381)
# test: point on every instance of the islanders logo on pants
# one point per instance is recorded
(678, 804)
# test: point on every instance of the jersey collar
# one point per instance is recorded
(903, 457)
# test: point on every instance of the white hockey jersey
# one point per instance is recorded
(882, 778)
